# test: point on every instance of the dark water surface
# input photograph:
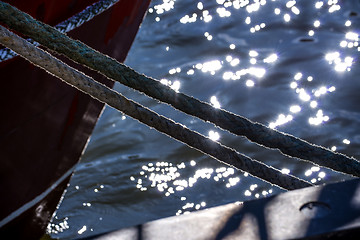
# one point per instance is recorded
(291, 65)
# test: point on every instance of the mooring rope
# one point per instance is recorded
(255, 132)
(104, 94)
(75, 21)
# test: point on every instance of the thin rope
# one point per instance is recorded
(75, 21)
(255, 132)
(104, 94)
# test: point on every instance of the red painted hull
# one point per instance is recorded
(45, 124)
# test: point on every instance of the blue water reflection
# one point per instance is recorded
(291, 65)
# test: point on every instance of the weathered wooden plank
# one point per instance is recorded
(323, 212)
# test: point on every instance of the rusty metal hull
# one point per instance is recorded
(45, 124)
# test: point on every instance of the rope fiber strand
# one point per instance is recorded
(255, 132)
(104, 94)
(75, 21)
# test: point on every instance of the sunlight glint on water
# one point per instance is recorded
(291, 65)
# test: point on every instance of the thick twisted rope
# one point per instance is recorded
(255, 132)
(75, 21)
(104, 94)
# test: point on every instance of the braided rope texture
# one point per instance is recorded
(66, 26)
(255, 132)
(104, 94)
